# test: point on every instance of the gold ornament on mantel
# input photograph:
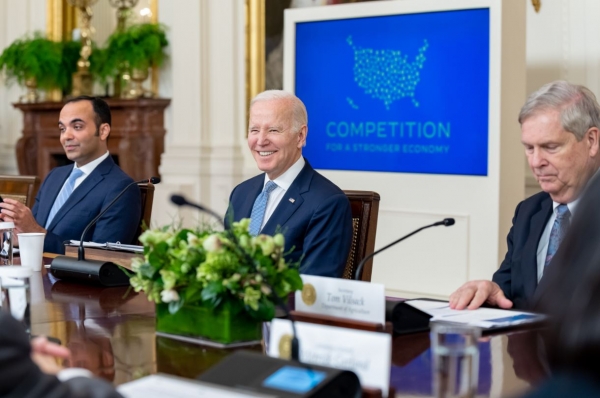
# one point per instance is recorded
(123, 11)
(82, 79)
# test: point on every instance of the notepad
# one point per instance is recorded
(481, 317)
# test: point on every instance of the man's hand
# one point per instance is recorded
(473, 294)
(45, 354)
(17, 212)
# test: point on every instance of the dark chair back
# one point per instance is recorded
(365, 209)
(147, 193)
(21, 188)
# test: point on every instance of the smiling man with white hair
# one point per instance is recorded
(290, 196)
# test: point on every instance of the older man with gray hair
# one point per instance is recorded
(560, 129)
(290, 196)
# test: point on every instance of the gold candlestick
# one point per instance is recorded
(82, 79)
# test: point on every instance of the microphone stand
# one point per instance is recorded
(80, 252)
(446, 222)
(181, 201)
(104, 272)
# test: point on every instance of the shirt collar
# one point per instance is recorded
(88, 168)
(571, 205)
(285, 180)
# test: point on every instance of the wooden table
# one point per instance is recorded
(112, 333)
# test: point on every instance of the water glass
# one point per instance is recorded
(15, 294)
(455, 359)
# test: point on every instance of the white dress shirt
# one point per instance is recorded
(283, 182)
(86, 170)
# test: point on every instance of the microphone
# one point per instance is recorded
(447, 222)
(181, 201)
(295, 351)
(105, 272)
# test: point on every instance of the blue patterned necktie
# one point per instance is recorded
(259, 208)
(558, 232)
(64, 194)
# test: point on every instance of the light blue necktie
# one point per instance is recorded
(558, 232)
(64, 194)
(259, 208)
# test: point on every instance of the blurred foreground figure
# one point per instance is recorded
(570, 295)
(29, 370)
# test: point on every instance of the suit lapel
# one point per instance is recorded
(54, 186)
(83, 189)
(529, 261)
(291, 201)
(245, 208)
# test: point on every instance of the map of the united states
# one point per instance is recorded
(387, 75)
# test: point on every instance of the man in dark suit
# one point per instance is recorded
(71, 196)
(29, 370)
(560, 132)
(313, 214)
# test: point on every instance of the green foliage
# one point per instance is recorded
(35, 57)
(139, 46)
(204, 268)
(70, 54)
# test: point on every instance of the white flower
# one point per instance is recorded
(192, 239)
(166, 296)
(212, 244)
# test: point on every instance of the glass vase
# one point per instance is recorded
(220, 325)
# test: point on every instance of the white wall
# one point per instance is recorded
(205, 122)
(17, 18)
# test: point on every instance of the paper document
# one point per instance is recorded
(162, 386)
(481, 317)
(111, 246)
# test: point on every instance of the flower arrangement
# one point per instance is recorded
(215, 269)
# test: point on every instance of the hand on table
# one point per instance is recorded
(473, 294)
(45, 354)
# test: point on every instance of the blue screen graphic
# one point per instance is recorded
(298, 380)
(401, 93)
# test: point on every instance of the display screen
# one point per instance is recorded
(397, 93)
(294, 379)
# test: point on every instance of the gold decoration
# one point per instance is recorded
(82, 79)
(537, 4)
(32, 95)
(61, 19)
(255, 48)
(285, 346)
(309, 294)
(123, 10)
(134, 88)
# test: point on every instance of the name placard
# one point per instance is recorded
(368, 354)
(358, 300)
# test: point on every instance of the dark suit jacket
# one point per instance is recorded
(21, 378)
(573, 384)
(316, 224)
(120, 223)
(517, 275)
